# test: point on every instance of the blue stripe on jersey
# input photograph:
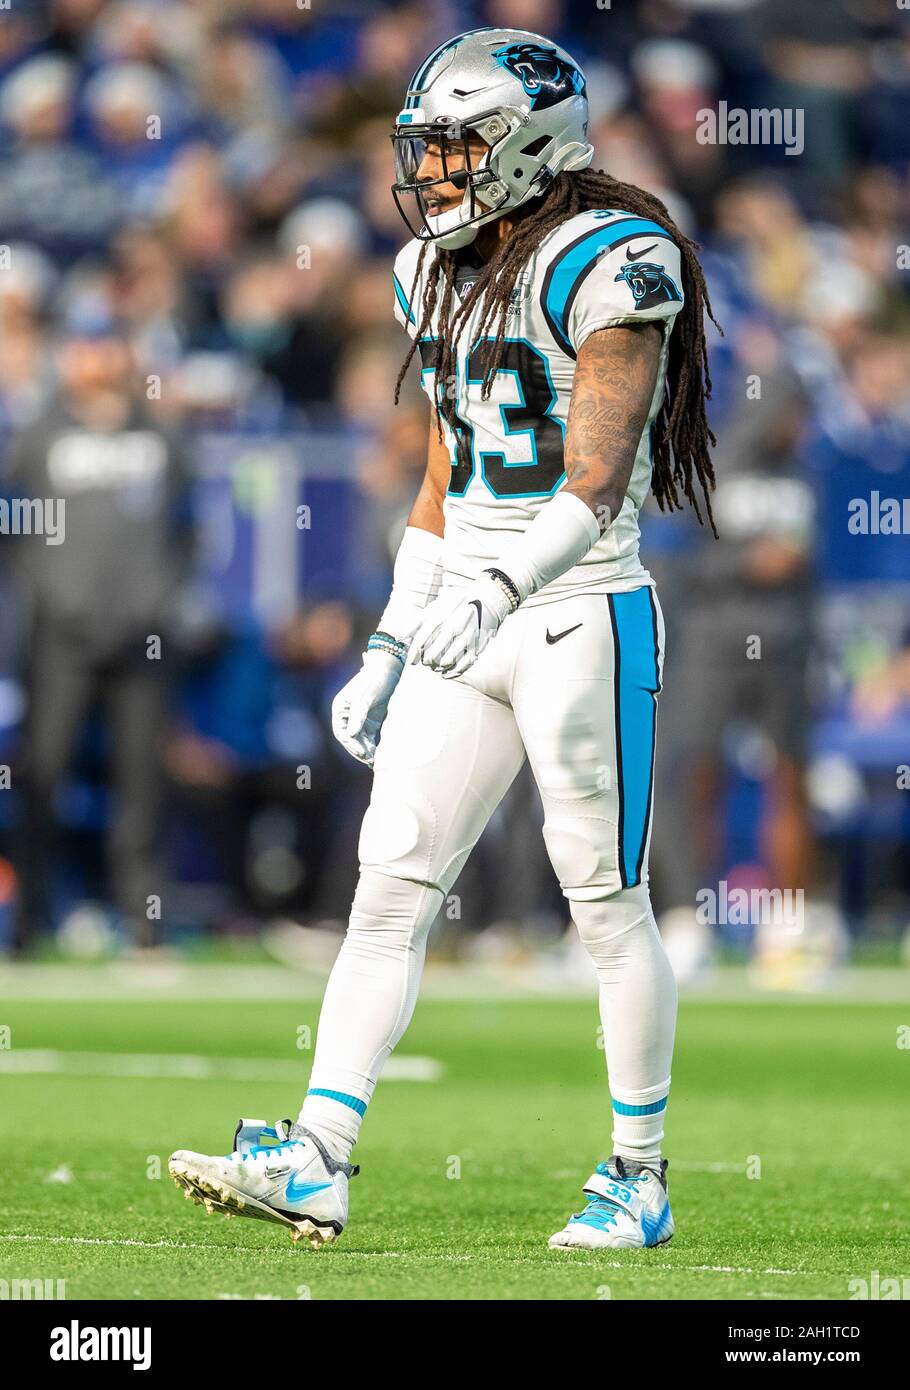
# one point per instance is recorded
(574, 263)
(402, 299)
(636, 682)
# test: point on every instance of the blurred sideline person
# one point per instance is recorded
(743, 624)
(558, 318)
(95, 603)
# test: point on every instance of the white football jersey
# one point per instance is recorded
(596, 270)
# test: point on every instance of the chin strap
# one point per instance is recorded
(575, 156)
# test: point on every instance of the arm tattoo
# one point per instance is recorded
(614, 383)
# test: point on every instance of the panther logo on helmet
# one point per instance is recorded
(546, 76)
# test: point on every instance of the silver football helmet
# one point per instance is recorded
(522, 95)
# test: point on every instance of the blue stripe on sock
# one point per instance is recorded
(343, 1099)
(653, 1109)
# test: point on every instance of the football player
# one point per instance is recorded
(557, 315)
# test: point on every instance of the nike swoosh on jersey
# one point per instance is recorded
(642, 251)
(295, 1192)
(560, 635)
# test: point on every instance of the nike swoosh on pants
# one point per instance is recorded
(560, 635)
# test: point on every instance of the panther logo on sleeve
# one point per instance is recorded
(649, 282)
(545, 75)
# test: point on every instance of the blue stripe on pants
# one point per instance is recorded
(636, 683)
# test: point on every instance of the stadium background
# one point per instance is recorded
(209, 184)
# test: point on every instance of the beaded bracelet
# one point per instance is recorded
(508, 586)
(385, 642)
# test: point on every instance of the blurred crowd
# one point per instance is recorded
(196, 237)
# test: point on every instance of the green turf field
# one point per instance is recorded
(816, 1092)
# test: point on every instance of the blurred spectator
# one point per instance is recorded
(101, 602)
(52, 192)
(740, 610)
(25, 289)
(136, 126)
(750, 601)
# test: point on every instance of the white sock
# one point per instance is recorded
(368, 1003)
(638, 1014)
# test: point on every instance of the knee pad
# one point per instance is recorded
(400, 836)
(392, 834)
(582, 850)
(406, 836)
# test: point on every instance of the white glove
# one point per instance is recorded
(454, 630)
(360, 706)
(450, 637)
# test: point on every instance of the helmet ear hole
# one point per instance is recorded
(537, 146)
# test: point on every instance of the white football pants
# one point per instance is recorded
(572, 685)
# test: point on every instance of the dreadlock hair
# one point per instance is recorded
(682, 437)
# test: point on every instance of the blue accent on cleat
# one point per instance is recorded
(655, 1229)
(295, 1192)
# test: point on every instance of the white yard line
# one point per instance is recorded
(187, 1066)
(140, 1244)
(181, 981)
(586, 1264)
(400, 1255)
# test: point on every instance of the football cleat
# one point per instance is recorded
(628, 1209)
(281, 1173)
